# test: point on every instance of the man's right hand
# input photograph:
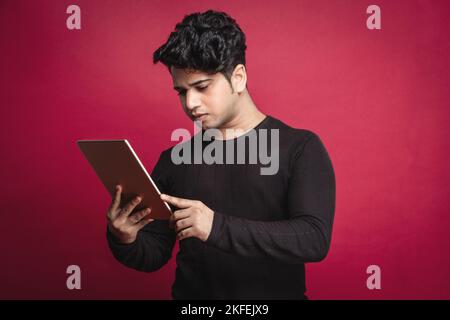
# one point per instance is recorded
(124, 225)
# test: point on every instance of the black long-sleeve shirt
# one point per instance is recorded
(265, 227)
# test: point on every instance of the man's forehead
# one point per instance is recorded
(181, 76)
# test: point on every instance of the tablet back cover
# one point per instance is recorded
(115, 162)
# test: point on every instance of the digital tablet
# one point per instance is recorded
(115, 162)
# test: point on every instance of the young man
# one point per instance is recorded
(243, 234)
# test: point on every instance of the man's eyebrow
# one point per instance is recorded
(193, 83)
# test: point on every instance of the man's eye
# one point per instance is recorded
(182, 93)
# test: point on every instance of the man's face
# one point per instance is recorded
(206, 98)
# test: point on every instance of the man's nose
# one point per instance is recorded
(192, 100)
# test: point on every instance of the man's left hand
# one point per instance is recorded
(194, 219)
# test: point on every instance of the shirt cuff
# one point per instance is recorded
(114, 241)
(217, 229)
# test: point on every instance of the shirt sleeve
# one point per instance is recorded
(154, 243)
(306, 235)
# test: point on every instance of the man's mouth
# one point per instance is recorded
(200, 116)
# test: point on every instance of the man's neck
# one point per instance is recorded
(248, 117)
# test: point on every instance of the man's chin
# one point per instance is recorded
(205, 124)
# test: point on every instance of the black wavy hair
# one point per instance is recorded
(211, 42)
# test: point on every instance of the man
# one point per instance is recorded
(243, 234)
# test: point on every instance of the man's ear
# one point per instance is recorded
(239, 78)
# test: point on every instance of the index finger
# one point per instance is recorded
(178, 202)
(116, 201)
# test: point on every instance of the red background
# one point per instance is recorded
(379, 100)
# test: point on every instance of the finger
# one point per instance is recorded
(138, 216)
(181, 214)
(185, 233)
(178, 202)
(144, 221)
(183, 224)
(130, 206)
(177, 215)
(113, 209)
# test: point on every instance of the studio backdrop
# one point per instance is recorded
(371, 78)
